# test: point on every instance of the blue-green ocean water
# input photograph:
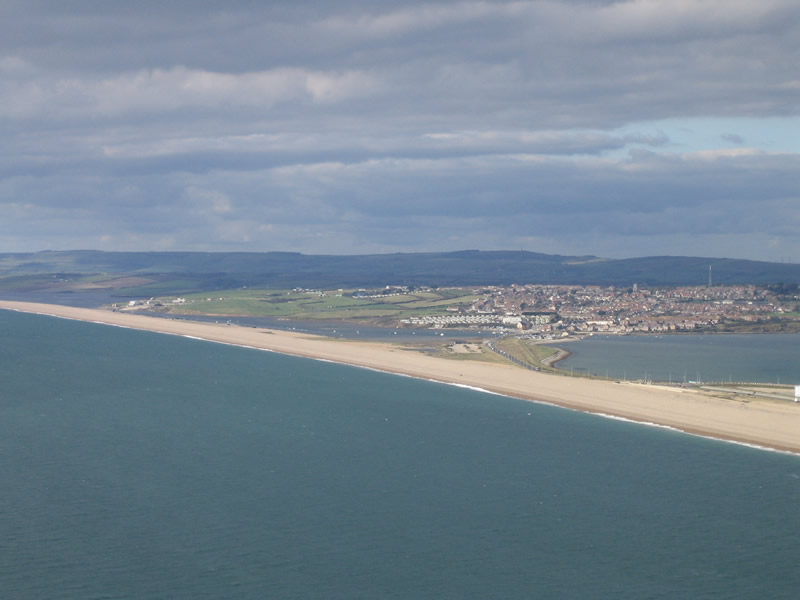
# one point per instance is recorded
(763, 358)
(138, 465)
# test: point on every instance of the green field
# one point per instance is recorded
(315, 304)
(527, 351)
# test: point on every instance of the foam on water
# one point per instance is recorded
(139, 466)
(454, 384)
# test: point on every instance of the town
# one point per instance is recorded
(585, 309)
(549, 310)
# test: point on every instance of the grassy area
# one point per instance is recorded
(317, 304)
(433, 301)
(526, 350)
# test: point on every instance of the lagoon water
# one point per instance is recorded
(139, 465)
(762, 358)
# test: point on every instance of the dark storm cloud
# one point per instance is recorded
(376, 126)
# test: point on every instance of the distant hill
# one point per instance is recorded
(218, 270)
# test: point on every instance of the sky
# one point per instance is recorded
(616, 129)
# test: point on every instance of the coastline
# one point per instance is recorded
(765, 424)
(551, 361)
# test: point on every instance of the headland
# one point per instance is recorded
(759, 422)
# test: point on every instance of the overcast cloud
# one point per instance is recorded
(578, 127)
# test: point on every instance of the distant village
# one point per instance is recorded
(587, 309)
(550, 311)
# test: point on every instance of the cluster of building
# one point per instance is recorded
(576, 308)
(150, 303)
(466, 319)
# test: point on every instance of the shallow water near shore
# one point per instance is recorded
(138, 465)
(761, 358)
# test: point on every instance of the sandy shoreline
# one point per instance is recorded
(768, 424)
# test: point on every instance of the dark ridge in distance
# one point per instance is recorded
(215, 270)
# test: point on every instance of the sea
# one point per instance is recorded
(684, 358)
(135, 465)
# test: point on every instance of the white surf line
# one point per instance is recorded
(432, 380)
